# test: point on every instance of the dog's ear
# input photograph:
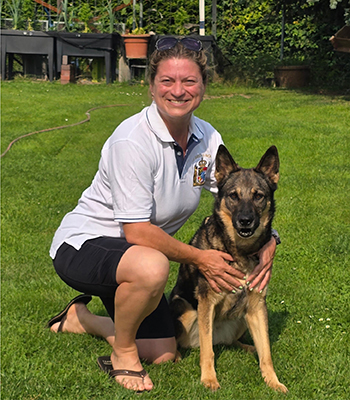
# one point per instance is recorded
(269, 164)
(225, 164)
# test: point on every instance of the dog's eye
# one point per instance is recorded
(258, 196)
(234, 196)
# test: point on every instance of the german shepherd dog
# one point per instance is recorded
(240, 225)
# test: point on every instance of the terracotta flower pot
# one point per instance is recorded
(136, 46)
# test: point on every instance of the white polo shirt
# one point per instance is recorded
(143, 176)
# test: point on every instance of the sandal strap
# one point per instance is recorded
(82, 298)
(126, 372)
(60, 326)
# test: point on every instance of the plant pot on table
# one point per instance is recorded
(136, 46)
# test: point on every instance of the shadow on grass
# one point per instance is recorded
(277, 323)
(336, 93)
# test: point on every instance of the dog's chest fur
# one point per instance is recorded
(213, 235)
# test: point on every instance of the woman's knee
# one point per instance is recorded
(155, 266)
(148, 266)
(157, 351)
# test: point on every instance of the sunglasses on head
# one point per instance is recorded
(189, 43)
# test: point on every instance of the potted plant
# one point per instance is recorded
(135, 39)
(136, 43)
(292, 73)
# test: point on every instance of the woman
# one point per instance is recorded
(117, 242)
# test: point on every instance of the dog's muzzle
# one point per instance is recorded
(245, 226)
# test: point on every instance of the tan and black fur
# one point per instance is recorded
(240, 225)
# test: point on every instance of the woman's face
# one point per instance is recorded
(178, 88)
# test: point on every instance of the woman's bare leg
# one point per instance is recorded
(142, 274)
(81, 320)
(157, 351)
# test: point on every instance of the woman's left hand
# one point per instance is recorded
(262, 272)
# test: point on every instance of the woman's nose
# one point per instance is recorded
(178, 89)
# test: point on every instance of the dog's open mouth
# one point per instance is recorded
(245, 232)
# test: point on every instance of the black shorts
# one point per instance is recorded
(92, 270)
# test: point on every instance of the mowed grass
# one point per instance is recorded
(309, 294)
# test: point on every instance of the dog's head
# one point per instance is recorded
(245, 197)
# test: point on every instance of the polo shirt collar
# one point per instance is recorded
(158, 127)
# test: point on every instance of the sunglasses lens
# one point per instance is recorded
(170, 42)
(166, 43)
(192, 44)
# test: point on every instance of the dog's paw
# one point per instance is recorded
(246, 347)
(275, 384)
(211, 384)
(279, 387)
(249, 349)
(178, 357)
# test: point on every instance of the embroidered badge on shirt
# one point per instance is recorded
(200, 172)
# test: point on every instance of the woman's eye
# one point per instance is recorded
(190, 82)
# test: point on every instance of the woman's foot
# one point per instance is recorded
(76, 318)
(130, 361)
(71, 322)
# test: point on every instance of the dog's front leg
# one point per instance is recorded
(257, 322)
(205, 327)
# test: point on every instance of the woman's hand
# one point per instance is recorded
(221, 276)
(212, 264)
(262, 272)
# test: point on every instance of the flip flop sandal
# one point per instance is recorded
(105, 364)
(61, 317)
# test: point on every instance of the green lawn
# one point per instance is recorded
(309, 294)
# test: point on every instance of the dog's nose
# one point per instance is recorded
(245, 220)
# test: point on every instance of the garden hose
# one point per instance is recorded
(63, 126)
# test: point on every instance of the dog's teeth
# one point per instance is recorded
(245, 234)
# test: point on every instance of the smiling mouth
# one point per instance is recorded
(245, 232)
(178, 101)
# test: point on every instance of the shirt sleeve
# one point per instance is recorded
(131, 176)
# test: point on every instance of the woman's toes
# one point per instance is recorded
(54, 327)
(138, 384)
